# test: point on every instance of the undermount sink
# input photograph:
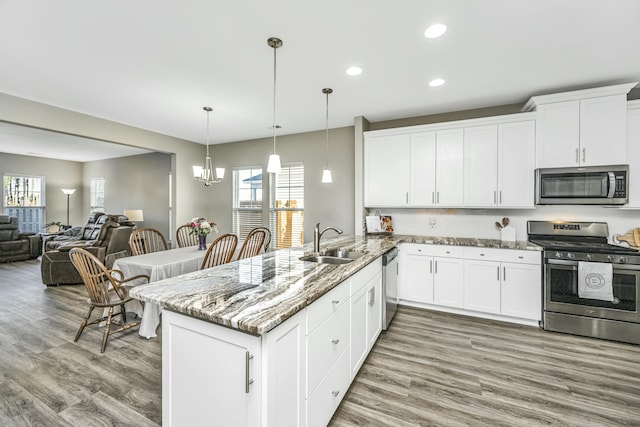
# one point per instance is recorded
(333, 256)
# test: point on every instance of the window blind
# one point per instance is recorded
(247, 200)
(287, 215)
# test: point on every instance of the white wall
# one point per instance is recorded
(480, 223)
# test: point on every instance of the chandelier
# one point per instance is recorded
(204, 174)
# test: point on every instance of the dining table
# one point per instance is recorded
(158, 266)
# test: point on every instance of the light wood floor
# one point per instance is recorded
(428, 369)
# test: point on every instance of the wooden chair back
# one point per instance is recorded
(252, 244)
(267, 236)
(95, 276)
(146, 241)
(185, 237)
(220, 251)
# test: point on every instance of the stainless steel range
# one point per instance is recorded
(591, 288)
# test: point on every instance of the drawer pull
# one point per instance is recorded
(335, 301)
(520, 257)
(335, 393)
(481, 254)
(248, 381)
(335, 342)
(448, 252)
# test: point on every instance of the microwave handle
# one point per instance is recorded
(612, 185)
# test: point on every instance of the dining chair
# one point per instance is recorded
(106, 290)
(185, 237)
(252, 244)
(146, 241)
(220, 251)
(267, 236)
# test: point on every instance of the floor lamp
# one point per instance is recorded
(68, 192)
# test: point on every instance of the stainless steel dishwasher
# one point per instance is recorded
(389, 286)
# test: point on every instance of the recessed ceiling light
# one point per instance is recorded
(354, 71)
(436, 82)
(434, 31)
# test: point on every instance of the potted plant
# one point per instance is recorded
(53, 226)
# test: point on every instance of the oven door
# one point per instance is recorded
(561, 292)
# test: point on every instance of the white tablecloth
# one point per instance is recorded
(158, 266)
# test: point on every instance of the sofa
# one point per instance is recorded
(16, 245)
(105, 236)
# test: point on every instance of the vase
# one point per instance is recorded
(203, 242)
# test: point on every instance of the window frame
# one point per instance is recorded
(257, 205)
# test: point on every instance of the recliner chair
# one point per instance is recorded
(111, 242)
(16, 245)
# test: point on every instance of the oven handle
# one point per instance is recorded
(562, 262)
(612, 185)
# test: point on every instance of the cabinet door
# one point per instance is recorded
(603, 130)
(482, 286)
(633, 154)
(374, 307)
(418, 278)
(211, 380)
(450, 167)
(481, 166)
(423, 169)
(387, 171)
(448, 282)
(521, 290)
(516, 164)
(558, 134)
(359, 322)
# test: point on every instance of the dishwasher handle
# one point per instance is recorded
(389, 256)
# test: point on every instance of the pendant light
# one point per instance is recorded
(326, 173)
(273, 166)
(204, 174)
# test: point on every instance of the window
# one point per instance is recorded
(247, 200)
(24, 198)
(287, 206)
(97, 195)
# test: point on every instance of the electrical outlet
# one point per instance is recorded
(432, 222)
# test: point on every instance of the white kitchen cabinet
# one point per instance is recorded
(386, 171)
(581, 128)
(374, 308)
(436, 168)
(433, 274)
(633, 153)
(481, 166)
(516, 164)
(503, 281)
(359, 323)
(225, 369)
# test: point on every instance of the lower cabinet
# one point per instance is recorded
(497, 282)
(294, 375)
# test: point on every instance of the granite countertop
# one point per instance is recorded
(255, 295)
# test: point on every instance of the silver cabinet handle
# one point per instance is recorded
(500, 198)
(481, 254)
(436, 267)
(584, 155)
(372, 296)
(407, 197)
(433, 197)
(495, 198)
(498, 278)
(335, 393)
(335, 301)
(437, 197)
(248, 382)
(335, 342)
(430, 266)
(504, 273)
(577, 154)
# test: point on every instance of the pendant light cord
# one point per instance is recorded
(207, 131)
(326, 157)
(274, 99)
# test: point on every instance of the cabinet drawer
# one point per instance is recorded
(434, 250)
(325, 345)
(363, 276)
(503, 255)
(324, 402)
(326, 305)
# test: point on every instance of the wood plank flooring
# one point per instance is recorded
(429, 369)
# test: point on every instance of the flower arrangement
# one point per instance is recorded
(202, 227)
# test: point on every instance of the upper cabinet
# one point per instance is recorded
(485, 162)
(581, 128)
(633, 153)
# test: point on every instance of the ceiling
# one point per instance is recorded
(155, 64)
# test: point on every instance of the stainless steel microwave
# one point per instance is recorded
(595, 185)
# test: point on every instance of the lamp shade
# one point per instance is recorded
(326, 176)
(220, 173)
(68, 191)
(273, 166)
(134, 215)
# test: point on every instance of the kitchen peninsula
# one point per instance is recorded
(273, 340)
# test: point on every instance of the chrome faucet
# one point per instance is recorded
(317, 234)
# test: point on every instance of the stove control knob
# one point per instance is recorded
(570, 255)
(589, 257)
(558, 255)
(622, 260)
(609, 258)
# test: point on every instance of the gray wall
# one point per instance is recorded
(329, 204)
(58, 174)
(135, 182)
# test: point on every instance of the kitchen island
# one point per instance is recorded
(273, 340)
